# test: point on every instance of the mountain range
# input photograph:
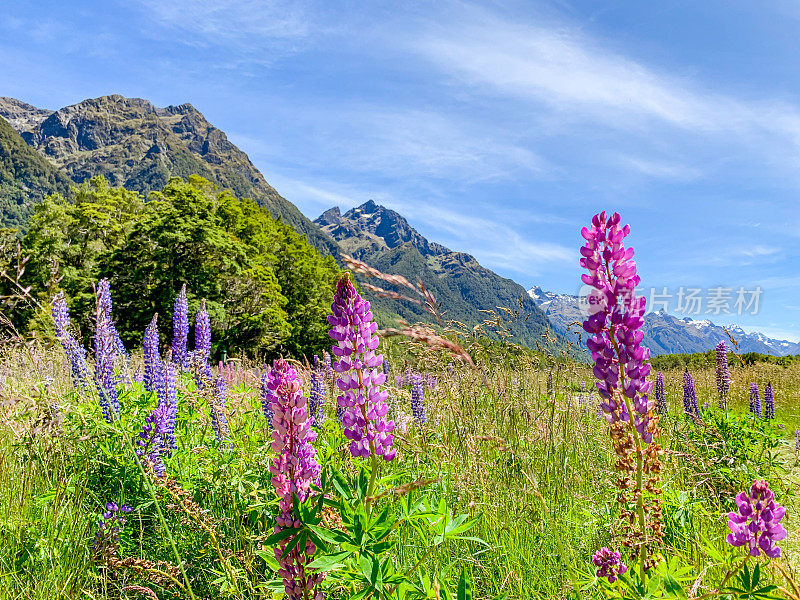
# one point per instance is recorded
(663, 333)
(139, 146)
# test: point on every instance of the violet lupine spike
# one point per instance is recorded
(769, 402)
(75, 352)
(219, 420)
(152, 358)
(266, 397)
(170, 402)
(317, 397)
(360, 379)
(294, 470)
(757, 524)
(797, 440)
(180, 329)
(689, 395)
(661, 399)
(755, 400)
(418, 399)
(202, 346)
(616, 325)
(150, 443)
(723, 375)
(105, 350)
(609, 564)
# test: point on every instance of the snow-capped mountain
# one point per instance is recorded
(663, 333)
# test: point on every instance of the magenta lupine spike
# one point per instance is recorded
(152, 358)
(609, 564)
(755, 400)
(769, 402)
(615, 324)
(723, 376)
(76, 353)
(105, 349)
(661, 399)
(360, 378)
(294, 470)
(757, 522)
(180, 329)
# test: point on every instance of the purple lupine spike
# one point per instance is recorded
(219, 420)
(105, 350)
(797, 440)
(202, 346)
(106, 540)
(180, 329)
(615, 324)
(265, 396)
(294, 470)
(418, 399)
(661, 399)
(169, 400)
(360, 379)
(755, 400)
(317, 396)
(689, 395)
(75, 352)
(723, 375)
(757, 524)
(152, 358)
(769, 402)
(150, 443)
(609, 564)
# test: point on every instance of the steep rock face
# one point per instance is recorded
(663, 333)
(385, 240)
(140, 146)
(21, 115)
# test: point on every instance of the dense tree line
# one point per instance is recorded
(267, 290)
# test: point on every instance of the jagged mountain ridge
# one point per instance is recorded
(385, 240)
(140, 146)
(663, 333)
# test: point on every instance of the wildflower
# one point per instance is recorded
(105, 348)
(169, 400)
(152, 359)
(661, 400)
(418, 399)
(294, 470)
(609, 564)
(202, 347)
(317, 397)
(219, 420)
(180, 328)
(106, 540)
(266, 396)
(151, 439)
(76, 353)
(363, 400)
(797, 440)
(755, 400)
(723, 375)
(757, 523)
(769, 402)
(689, 394)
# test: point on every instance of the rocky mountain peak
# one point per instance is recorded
(21, 115)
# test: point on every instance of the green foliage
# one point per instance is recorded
(266, 289)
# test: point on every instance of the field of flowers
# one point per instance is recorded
(422, 465)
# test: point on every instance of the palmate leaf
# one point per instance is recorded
(281, 535)
(332, 536)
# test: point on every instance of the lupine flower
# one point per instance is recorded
(180, 328)
(76, 353)
(418, 399)
(769, 402)
(609, 564)
(169, 400)
(105, 348)
(797, 440)
(266, 397)
(617, 323)
(202, 347)
(326, 359)
(294, 470)
(386, 368)
(363, 400)
(689, 394)
(106, 540)
(152, 358)
(723, 375)
(317, 397)
(661, 399)
(219, 420)
(757, 524)
(151, 439)
(755, 400)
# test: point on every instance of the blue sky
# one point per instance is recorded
(496, 128)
